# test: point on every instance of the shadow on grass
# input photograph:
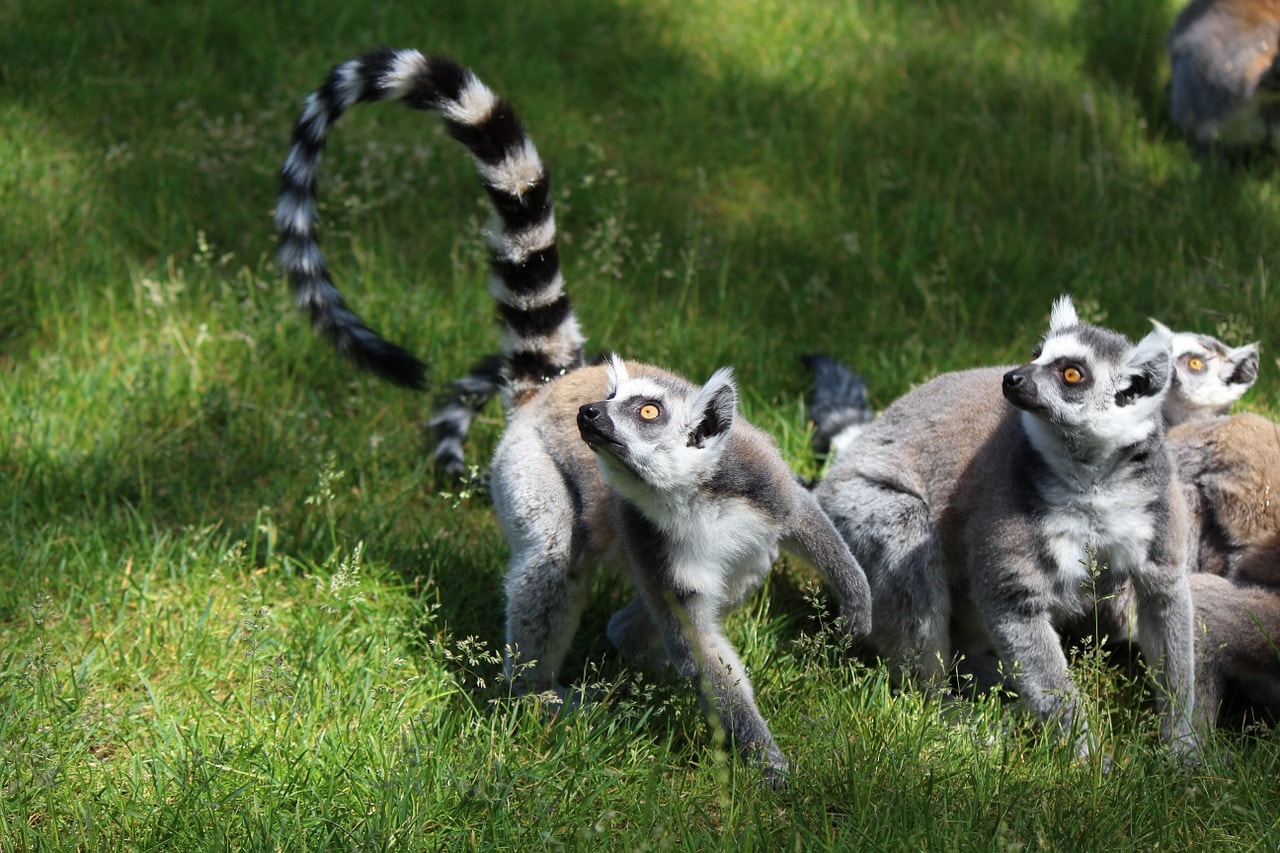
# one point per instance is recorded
(1015, 149)
(929, 191)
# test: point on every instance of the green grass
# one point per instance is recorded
(238, 610)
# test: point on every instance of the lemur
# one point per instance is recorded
(620, 462)
(994, 508)
(1225, 86)
(1208, 376)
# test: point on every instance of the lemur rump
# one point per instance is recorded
(622, 463)
(981, 502)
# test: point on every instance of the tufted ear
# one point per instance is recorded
(616, 374)
(714, 408)
(1150, 367)
(1244, 366)
(1063, 315)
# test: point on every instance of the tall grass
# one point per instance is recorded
(238, 609)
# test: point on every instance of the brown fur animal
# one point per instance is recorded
(1231, 466)
(1225, 86)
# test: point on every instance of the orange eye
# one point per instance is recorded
(1072, 375)
(649, 411)
(1196, 363)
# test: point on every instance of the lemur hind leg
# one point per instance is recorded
(550, 574)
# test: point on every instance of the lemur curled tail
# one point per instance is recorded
(622, 463)
(541, 339)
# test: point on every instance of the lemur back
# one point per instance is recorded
(621, 462)
(1208, 376)
(993, 508)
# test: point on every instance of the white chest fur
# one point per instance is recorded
(1101, 528)
(718, 547)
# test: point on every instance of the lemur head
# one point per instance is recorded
(658, 434)
(1208, 376)
(1090, 387)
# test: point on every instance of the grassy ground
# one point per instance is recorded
(238, 610)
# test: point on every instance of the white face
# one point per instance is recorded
(1208, 376)
(654, 436)
(1090, 387)
(1085, 393)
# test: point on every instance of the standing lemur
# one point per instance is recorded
(621, 462)
(994, 508)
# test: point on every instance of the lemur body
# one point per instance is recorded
(1232, 469)
(994, 508)
(621, 462)
(1225, 86)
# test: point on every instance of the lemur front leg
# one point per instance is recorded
(1166, 636)
(689, 622)
(699, 651)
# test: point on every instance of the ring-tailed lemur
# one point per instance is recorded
(622, 462)
(1208, 376)
(992, 508)
(1225, 88)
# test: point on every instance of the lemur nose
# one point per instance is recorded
(589, 412)
(1013, 380)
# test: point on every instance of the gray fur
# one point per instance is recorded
(1225, 80)
(693, 505)
(1231, 467)
(976, 502)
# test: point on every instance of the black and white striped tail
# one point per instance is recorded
(541, 338)
(838, 404)
(461, 400)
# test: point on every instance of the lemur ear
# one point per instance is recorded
(1063, 315)
(1149, 369)
(616, 374)
(714, 408)
(1244, 366)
